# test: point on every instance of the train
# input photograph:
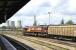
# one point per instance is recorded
(52, 31)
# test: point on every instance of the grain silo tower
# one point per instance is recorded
(19, 25)
(12, 24)
(8, 23)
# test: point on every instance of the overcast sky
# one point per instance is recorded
(59, 9)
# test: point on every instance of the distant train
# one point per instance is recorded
(53, 31)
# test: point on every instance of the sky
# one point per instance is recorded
(59, 9)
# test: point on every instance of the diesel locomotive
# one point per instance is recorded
(36, 31)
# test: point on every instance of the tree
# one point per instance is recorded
(70, 22)
(4, 27)
(62, 22)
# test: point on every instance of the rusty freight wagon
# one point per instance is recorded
(60, 31)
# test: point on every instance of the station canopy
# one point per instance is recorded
(9, 8)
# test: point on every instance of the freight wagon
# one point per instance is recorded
(62, 31)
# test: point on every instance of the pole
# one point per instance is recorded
(49, 17)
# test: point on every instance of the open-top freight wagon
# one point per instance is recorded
(53, 31)
(63, 31)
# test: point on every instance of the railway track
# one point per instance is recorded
(71, 44)
(66, 43)
(52, 47)
(39, 40)
(34, 40)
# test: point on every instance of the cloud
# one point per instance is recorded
(59, 9)
(67, 7)
(36, 7)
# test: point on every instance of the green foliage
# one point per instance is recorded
(70, 22)
(4, 27)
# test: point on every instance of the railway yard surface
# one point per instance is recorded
(39, 43)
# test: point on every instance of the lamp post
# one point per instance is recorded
(49, 17)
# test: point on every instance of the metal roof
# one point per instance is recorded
(10, 7)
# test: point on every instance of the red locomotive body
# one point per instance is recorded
(36, 30)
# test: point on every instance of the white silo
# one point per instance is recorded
(19, 25)
(8, 23)
(12, 24)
